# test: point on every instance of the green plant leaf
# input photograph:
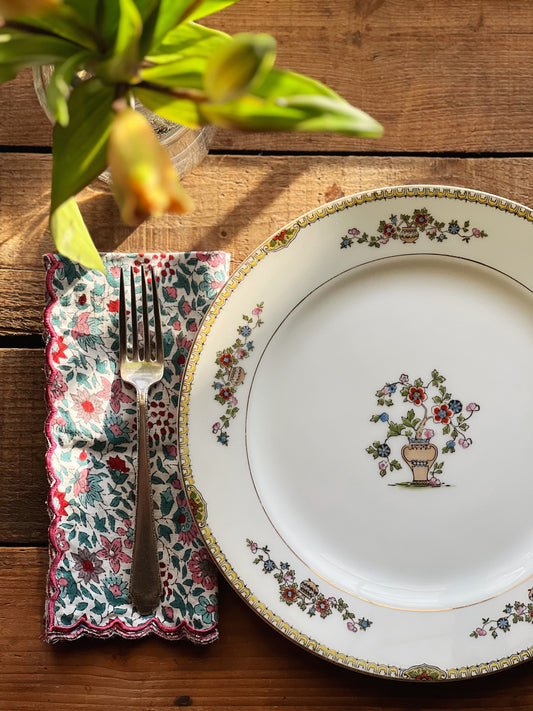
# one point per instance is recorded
(146, 7)
(250, 113)
(202, 8)
(182, 110)
(323, 113)
(107, 16)
(295, 114)
(189, 39)
(79, 149)
(283, 82)
(20, 49)
(72, 238)
(239, 65)
(65, 22)
(9, 72)
(59, 86)
(86, 10)
(123, 62)
(272, 107)
(127, 41)
(184, 73)
(174, 12)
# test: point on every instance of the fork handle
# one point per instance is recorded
(145, 580)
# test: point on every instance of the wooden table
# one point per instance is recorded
(452, 82)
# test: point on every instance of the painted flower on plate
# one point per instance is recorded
(290, 594)
(417, 395)
(453, 228)
(442, 413)
(455, 406)
(383, 450)
(503, 624)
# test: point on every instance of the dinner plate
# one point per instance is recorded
(355, 432)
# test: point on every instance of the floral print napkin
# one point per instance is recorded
(91, 459)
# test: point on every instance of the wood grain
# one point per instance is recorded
(240, 201)
(23, 480)
(251, 667)
(440, 75)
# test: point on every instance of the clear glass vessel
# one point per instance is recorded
(187, 147)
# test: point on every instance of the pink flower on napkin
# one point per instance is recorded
(112, 551)
(212, 258)
(81, 327)
(171, 293)
(57, 386)
(203, 569)
(81, 485)
(113, 393)
(87, 406)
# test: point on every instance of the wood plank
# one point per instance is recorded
(443, 75)
(251, 667)
(240, 201)
(23, 512)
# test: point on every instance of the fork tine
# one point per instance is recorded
(122, 335)
(146, 323)
(157, 319)
(133, 308)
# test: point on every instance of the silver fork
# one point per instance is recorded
(142, 370)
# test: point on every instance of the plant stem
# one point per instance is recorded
(190, 94)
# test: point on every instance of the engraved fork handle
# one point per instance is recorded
(145, 581)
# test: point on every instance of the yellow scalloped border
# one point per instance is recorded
(289, 234)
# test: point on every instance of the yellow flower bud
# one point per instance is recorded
(19, 8)
(238, 65)
(145, 182)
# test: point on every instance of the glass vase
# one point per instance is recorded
(187, 147)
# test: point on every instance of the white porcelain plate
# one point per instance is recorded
(355, 432)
